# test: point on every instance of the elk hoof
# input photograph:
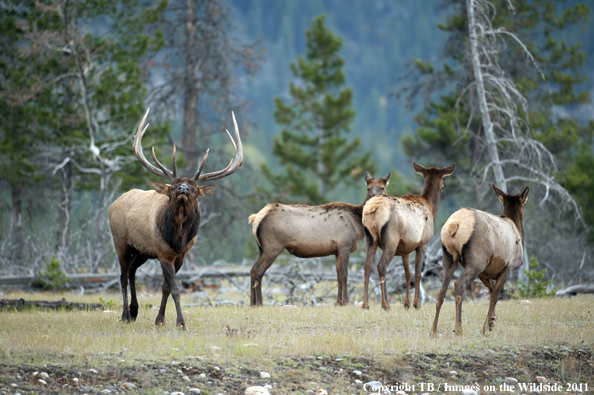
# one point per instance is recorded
(386, 307)
(365, 306)
(407, 306)
(417, 306)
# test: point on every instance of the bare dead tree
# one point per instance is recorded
(508, 138)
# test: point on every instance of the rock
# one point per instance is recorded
(511, 380)
(176, 393)
(453, 372)
(75, 380)
(256, 390)
(469, 392)
(357, 381)
(186, 378)
(43, 382)
(357, 372)
(541, 379)
(129, 386)
(194, 390)
(35, 373)
(93, 371)
(105, 391)
(14, 385)
(401, 393)
(322, 391)
(217, 368)
(264, 375)
(44, 375)
(202, 376)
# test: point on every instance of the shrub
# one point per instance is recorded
(535, 287)
(53, 277)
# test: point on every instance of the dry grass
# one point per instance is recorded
(275, 332)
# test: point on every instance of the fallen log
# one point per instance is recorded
(22, 304)
(576, 289)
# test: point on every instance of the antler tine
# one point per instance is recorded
(137, 146)
(174, 162)
(170, 175)
(235, 163)
(197, 175)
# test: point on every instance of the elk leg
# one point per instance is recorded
(138, 261)
(170, 287)
(406, 264)
(370, 249)
(342, 273)
(489, 284)
(470, 273)
(419, 256)
(124, 266)
(499, 283)
(264, 261)
(449, 264)
(385, 260)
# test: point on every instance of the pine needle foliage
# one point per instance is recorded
(535, 287)
(312, 146)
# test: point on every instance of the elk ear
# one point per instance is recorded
(448, 170)
(368, 177)
(161, 188)
(387, 178)
(205, 191)
(524, 196)
(499, 192)
(419, 169)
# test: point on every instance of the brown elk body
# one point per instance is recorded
(161, 224)
(486, 245)
(399, 226)
(310, 231)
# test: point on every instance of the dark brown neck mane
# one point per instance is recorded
(516, 215)
(430, 193)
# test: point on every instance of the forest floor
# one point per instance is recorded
(303, 348)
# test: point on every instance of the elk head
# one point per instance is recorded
(185, 190)
(376, 187)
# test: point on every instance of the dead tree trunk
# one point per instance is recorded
(17, 225)
(482, 99)
(189, 140)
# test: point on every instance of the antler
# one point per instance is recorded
(162, 170)
(233, 165)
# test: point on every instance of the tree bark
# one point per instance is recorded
(62, 231)
(482, 99)
(189, 140)
(17, 225)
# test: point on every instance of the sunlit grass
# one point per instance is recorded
(276, 331)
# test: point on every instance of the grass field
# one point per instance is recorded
(303, 348)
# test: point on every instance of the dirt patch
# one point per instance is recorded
(411, 372)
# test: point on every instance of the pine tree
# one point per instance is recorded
(312, 146)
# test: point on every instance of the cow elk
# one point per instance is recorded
(310, 231)
(161, 223)
(399, 226)
(486, 245)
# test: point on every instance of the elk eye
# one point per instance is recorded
(172, 188)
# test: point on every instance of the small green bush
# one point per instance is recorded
(535, 287)
(53, 278)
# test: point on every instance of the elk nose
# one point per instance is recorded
(183, 188)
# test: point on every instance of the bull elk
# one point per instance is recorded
(399, 226)
(310, 231)
(161, 223)
(486, 245)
